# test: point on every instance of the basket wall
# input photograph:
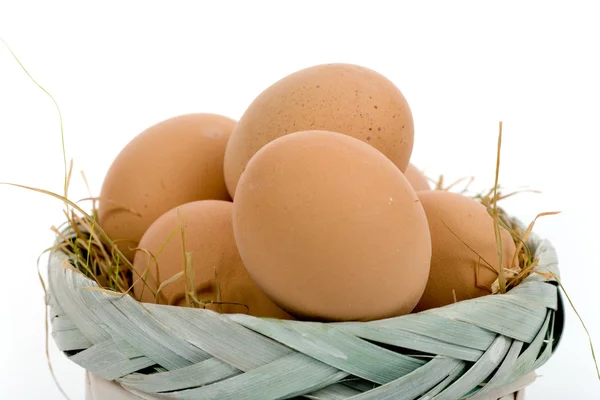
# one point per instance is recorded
(474, 347)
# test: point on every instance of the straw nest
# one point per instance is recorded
(464, 350)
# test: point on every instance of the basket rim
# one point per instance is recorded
(535, 240)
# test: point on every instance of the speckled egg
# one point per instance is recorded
(344, 98)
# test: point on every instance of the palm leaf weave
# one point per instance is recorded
(463, 350)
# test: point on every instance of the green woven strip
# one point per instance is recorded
(333, 392)
(334, 347)
(220, 337)
(458, 370)
(359, 384)
(410, 340)
(543, 357)
(71, 303)
(105, 359)
(435, 327)
(501, 314)
(527, 359)
(287, 377)
(69, 340)
(202, 373)
(490, 360)
(62, 323)
(125, 348)
(126, 318)
(536, 293)
(503, 371)
(414, 384)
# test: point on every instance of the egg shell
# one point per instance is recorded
(331, 230)
(344, 98)
(174, 162)
(417, 179)
(454, 219)
(219, 272)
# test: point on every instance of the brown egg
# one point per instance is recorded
(343, 98)
(330, 229)
(454, 220)
(417, 179)
(219, 272)
(172, 163)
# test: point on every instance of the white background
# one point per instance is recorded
(119, 67)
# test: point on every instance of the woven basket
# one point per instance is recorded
(474, 349)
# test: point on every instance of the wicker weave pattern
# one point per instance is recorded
(187, 353)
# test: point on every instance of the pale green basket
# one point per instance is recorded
(464, 350)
